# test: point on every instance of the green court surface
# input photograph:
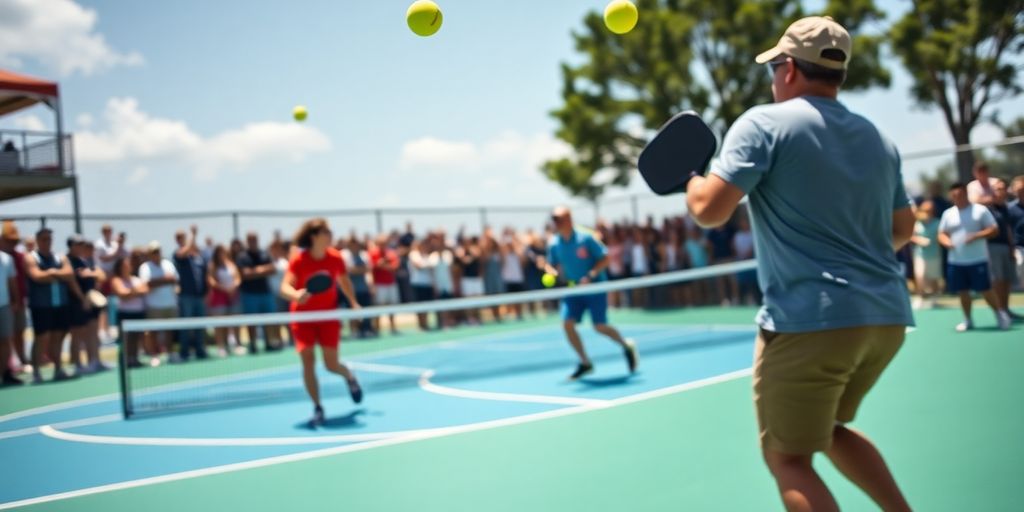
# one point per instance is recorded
(947, 415)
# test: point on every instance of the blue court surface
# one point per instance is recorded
(426, 391)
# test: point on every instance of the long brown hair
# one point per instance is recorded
(304, 236)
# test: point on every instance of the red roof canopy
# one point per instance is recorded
(21, 91)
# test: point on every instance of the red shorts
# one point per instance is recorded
(310, 334)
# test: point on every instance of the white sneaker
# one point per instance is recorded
(1003, 320)
(917, 303)
(98, 366)
(154, 362)
(966, 325)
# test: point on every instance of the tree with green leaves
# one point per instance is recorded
(964, 57)
(682, 55)
(1009, 159)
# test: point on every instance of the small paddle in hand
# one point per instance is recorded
(682, 148)
(319, 283)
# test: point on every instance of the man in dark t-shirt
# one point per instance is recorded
(255, 266)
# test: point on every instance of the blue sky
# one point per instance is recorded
(181, 106)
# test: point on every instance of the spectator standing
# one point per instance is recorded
(963, 229)
(161, 278)
(255, 266)
(191, 269)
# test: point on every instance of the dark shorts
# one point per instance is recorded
(79, 317)
(573, 308)
(961, 278)
(131, 315)
(422, 293)
(50, 319)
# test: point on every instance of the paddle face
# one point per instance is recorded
(97, 299)
(683, 145)
(319, 283)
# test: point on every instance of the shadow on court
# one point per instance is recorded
(344, 422)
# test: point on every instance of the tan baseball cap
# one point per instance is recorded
(807, 38)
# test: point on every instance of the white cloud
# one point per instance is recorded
(437, 154)
(507, 150)
(138, 175)
(30, 122)
(60, 34)
(131, 136)
(389, 200)
(84, 120)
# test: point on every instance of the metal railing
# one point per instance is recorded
(36, 152)
(634, 208)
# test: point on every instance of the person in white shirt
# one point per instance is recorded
(512, 268)
(440, 261)
(421, 277)
(160, 277)
(108, 251)
(8, 290)
(963, 229)
(980, 190)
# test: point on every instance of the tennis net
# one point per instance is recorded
(249, 359)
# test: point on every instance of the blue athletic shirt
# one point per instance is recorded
(577, 255)
(823, 184)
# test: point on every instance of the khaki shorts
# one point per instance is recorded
(805, 383)
(162, 313)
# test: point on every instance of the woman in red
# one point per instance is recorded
(318, 257)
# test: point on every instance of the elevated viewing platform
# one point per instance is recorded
(31, 163)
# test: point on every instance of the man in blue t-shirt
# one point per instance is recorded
(578, 258)
(828, 209)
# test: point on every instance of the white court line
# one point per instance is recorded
(50, 431)
(430, 387)
(326, 452)
(499, 347)
(110, 418)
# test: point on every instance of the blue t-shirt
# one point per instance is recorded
(823, 184)
(577, 255)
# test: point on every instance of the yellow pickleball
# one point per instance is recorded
(548, 280)
(299, 113)
(424, 18)
(620, 16)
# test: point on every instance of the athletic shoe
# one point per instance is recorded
(1003, 320)
(318, 417)
(632, 357)
(581, 370)
(59, 375)
(355, 391)
(98, 366)
(964, 326)
(10, 380)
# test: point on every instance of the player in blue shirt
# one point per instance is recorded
(578, 258)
